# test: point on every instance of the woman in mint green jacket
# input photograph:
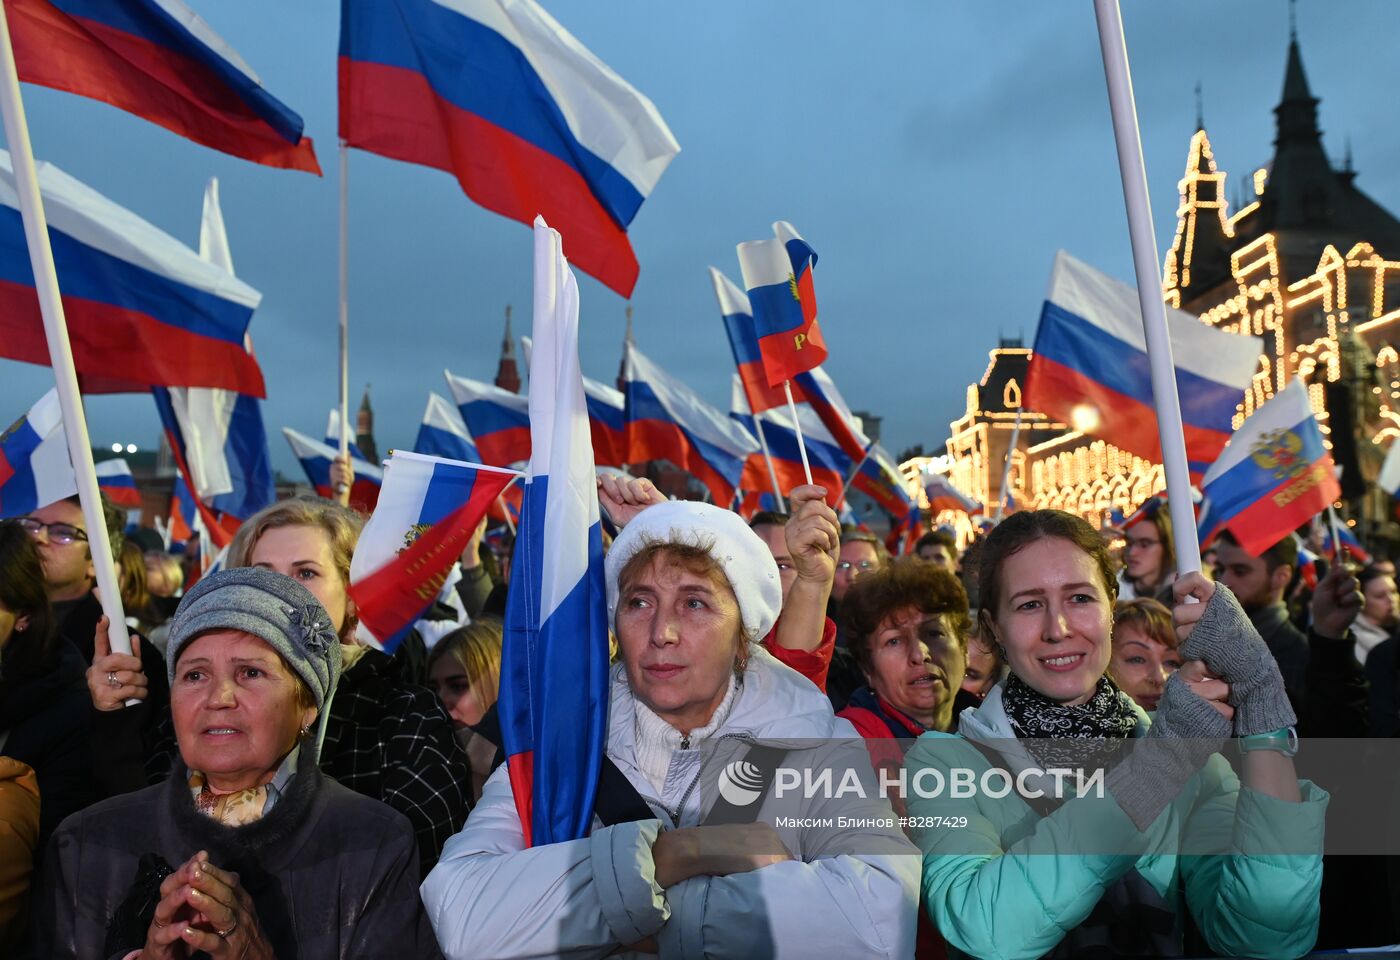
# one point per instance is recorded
(1022, 862)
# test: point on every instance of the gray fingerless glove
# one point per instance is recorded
(1232, 649)
(1184, 735)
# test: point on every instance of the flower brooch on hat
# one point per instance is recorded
(316, 634)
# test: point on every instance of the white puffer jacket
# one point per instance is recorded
(851, 892)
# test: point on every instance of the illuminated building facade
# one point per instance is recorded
(1310, 263)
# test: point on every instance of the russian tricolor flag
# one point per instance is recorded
(499, 420)
(1353, 547)
(607, 419)
(316, 459)
(554, 665)
(829, 465)
(1274, 476)
(358, 459)
(526, 118)
(158, 60)
(217, 436)
(115, 481)
(942, 495)
(879, 478)
(443, 434)
(607, 423)
(666, 420)
(1089, 367)
(778, 277)
(141, 306)
(427, 511)
(35, 470)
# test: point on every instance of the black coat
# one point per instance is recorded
(1322, 677)
(47, 719)
(333, 875)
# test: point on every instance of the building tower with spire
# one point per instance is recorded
(507, 372)
(1309, 264)
(627, 341)
(364, 429)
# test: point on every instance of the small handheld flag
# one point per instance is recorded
(427, 511)
(778, 277)
(1274, 475)
(115, 481)
(34, 467)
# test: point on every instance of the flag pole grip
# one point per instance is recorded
(797, 428)
(36, 235)
(1146, 264)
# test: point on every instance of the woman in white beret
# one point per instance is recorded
(690, 591)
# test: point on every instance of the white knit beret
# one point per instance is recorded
(742, 555)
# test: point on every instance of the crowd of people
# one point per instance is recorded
(257, 780)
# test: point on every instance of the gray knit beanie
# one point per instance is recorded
(275, 609)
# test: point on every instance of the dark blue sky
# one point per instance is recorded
(936, 154)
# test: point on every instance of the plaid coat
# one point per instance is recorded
(391, 740)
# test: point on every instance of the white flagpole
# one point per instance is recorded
(344, 306)
(1006, 467)
(1338, 548)
(768, 459)
(797, 426)
(510, 524)
(36, 236)
(846, 487)
(1149, 281)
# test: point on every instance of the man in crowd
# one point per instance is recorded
(861, 553)
(939, 548)
(1320, 672)
(60, 532)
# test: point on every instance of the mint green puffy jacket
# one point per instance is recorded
(1006, 884)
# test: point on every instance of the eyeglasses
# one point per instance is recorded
(58, 532)
(1142, 543)
(864, 566)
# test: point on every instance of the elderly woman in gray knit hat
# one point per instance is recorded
(247, 851)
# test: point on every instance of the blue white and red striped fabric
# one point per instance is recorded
(778, 277)
(1089, 367)
(1354, 549)
(529, 121)
(428, 509)
(554, 664)
(35, 470)
(829, 465)
(443, 434)
(1307, 563)
(357, 456)
(607, 420)
(607, 423)
(316, 457)
(814, 387)
(184, 513)
(218, 436)
(1389, 479)
(115, 481)
(666, 420)
(906, 533)
(879, 478)
(1273, 477)
(158, 60)
(942, 495)
(499, 420)
(138, 301)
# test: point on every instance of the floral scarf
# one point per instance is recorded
(1103, 723)
(241, 806)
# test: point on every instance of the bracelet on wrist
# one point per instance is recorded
(1284, 741)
